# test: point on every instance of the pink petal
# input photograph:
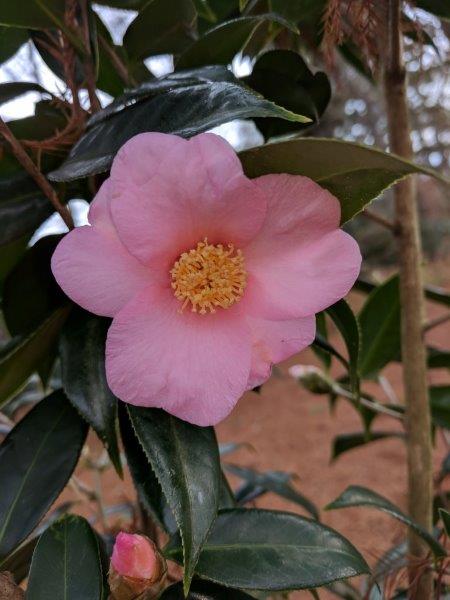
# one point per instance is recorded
(180, 191)
(274, 341)
(300, 262)
(92, 265)
(193, 366)
(134, 556)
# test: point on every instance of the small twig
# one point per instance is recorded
(89, 71)
(377, 218)
(34, 172)
(122, 71)
(436, 322)
(368, 403)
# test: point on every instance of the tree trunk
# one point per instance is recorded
(418, 421)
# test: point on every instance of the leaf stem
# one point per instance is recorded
(34, 172)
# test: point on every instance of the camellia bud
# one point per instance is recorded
(137, 570)
(313, 379)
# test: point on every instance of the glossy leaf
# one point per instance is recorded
(438, 359)
(440, 8)
(185, 459)
(161, 27)
(38, 14)
(344, 319)
(67, 563)
(37, 459)
(283, 77)
(82, 351)
(184, 103)
(445, 517)
(379, 321)
(145, 481)
(32, 14)
(18, 562)
(355, 174)
(432, 292)
(277, 482)
(356, 495)
(11, 40)
(440, 405)
(30, 293)
(203, 590)
(220, 44)
(23, 355)
(348, 441)
(23, 207)
(269, 550)
(14, 89)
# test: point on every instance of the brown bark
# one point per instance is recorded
(419, 449)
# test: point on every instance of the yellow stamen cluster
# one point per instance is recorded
(209, 276)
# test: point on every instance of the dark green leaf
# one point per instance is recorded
(67, 563)
(31, 293)
(226, 496)
(18, 563)
(344, 319)
(277, 482)
(355, 174)
(283, 77)
(185, 459)
(10, 41)
(269, 550)
(203, 590)
(82, 351)
(347, 441)
(37, 459)
(322, 345)
(445, 517)
(432, 292)
(23, 206)
(32, 14)
(356, 495)
(183, 103)
(440, 405)
(24, 354)
(440, 8)
(145, 481)
(379, 321)
(38, 14)
(438, 359)
(321, 328)
(14, 89)
(46, 122)
(220, 44)
(161, 27)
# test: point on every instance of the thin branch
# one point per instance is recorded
(34, 172)
(89, 69)
(377, 218)
(436, 322)
(122, 70)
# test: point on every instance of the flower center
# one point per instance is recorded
(209, 276)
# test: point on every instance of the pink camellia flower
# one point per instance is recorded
(134, 556)
(210, 277)
(137, 568)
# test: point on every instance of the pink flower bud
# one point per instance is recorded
(137, 568)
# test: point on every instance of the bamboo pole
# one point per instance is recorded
(419, 448)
